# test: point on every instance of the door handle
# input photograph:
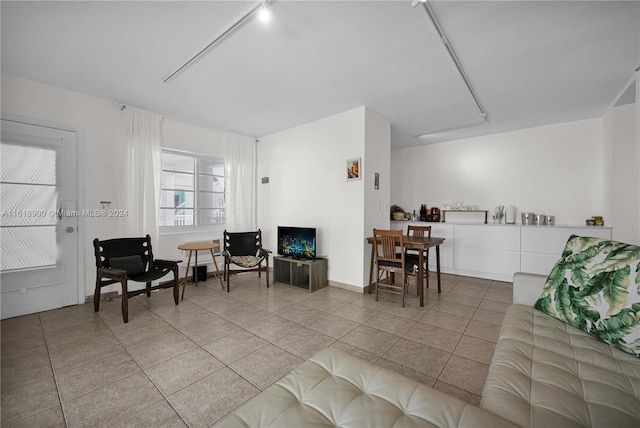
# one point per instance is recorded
(69, 229)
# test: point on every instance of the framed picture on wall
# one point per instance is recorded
(353, 169)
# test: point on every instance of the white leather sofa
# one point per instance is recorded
(544, 374)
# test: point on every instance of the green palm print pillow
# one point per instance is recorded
(595, 286)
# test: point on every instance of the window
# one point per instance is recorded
(192, 190)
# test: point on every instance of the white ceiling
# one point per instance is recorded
(531, 63)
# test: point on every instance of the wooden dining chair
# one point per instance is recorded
(388, 261)
(412, 256)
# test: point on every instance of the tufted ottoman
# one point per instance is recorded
(334, 388)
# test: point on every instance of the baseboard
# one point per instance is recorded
(110, 295)
(348, 287)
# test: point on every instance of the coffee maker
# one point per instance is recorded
(435, 215)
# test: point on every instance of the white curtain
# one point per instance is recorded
(143, 171)
(240, 172)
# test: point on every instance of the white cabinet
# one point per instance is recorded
(497, 251)
(542, 245)
(438, 230)
(493, 237)
(487, 251)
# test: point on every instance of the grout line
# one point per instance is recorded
(53, 375)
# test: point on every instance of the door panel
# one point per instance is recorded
(39, 248)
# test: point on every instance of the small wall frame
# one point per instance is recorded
(354, 169)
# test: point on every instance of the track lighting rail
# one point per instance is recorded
(215, 41)
(456, 62)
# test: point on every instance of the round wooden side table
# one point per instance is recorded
(199, 246)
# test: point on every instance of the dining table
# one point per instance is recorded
(410, 242)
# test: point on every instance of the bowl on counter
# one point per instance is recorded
(398, 216)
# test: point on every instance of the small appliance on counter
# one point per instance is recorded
(434, 216)
(510, 214)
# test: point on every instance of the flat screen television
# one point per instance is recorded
(297, 242)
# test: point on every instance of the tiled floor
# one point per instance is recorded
(193, 363)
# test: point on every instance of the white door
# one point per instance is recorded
(38, 230)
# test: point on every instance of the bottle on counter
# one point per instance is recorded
(423, 212)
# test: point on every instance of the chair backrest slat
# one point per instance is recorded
(388, 246)
(389, 241)
(419, 231)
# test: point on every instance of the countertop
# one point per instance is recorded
(496, 224)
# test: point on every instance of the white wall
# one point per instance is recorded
(307, 187)
(103, 157)
(623, 190)
(554, 170)
(377, 159)
(621, 179)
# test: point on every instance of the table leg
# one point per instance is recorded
(371, 268)
(215, 263)
(438, 266)
(420, 277)
(195, 277)
(186, 275)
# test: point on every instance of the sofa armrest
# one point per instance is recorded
(527, 287)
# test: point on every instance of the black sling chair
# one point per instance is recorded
(244, 249)
(131, 259)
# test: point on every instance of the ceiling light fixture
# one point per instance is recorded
(262, 5)
(456, 62)
(265, 13)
